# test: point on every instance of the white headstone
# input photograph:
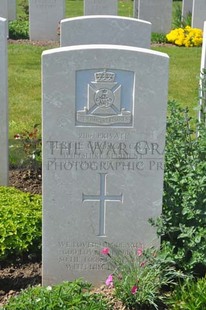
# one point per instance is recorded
(3, 103)
(104, 117)
(186, 7)
(203, 56)
(135, 8)
(4, 12)
(198, 13)
(158, 12)
(4, 8)
(113, 29)
(11, 9)
(44, 19)
(202, 94)
(100, 7)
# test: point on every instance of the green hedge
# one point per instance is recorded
(68, 295)
(19, 29)
(182, 225)
(20, 225)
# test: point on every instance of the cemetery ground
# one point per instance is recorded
(25, 79)
(24, 110)
(184, 172)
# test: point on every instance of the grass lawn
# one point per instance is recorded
(76, 8)
(183, 74)
(25, 82)
(25, 73)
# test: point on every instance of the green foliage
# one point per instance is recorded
(24, 4)
(187, 20)
(158, 38)
(183, 223)
(188, 296)
(20, 225)
(138, 275)
(68, 295)
(19, 29)
(31, 147)
(24, 86)
(178, 20)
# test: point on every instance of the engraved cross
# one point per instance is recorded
(102, 198)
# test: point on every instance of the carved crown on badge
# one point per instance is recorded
(104, 76)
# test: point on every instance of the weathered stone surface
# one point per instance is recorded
(104, 119)
(103, 29)
(11, 9)
(186, 7)
(198, 13)
(44, 19)
(99, 7)
(135, 8)
(158, 12)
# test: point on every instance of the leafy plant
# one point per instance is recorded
(183, 223)
(139, 276)
(19, 29)
(180, 21)
(20, 225)
(31, 143)
(187, 20)
(24, 4)
(158, 38)
(68, 295)
(190, 295)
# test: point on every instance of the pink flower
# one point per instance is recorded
(142, 264)
(109, 281)
(17, 136)
(134, 289)
(105, 251)
(139, 251)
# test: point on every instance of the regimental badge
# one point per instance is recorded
(104, 105)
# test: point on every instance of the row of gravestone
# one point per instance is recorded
(147, 10)
(104, 118)
(45, 15)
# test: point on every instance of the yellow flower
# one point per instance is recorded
(185, 36)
